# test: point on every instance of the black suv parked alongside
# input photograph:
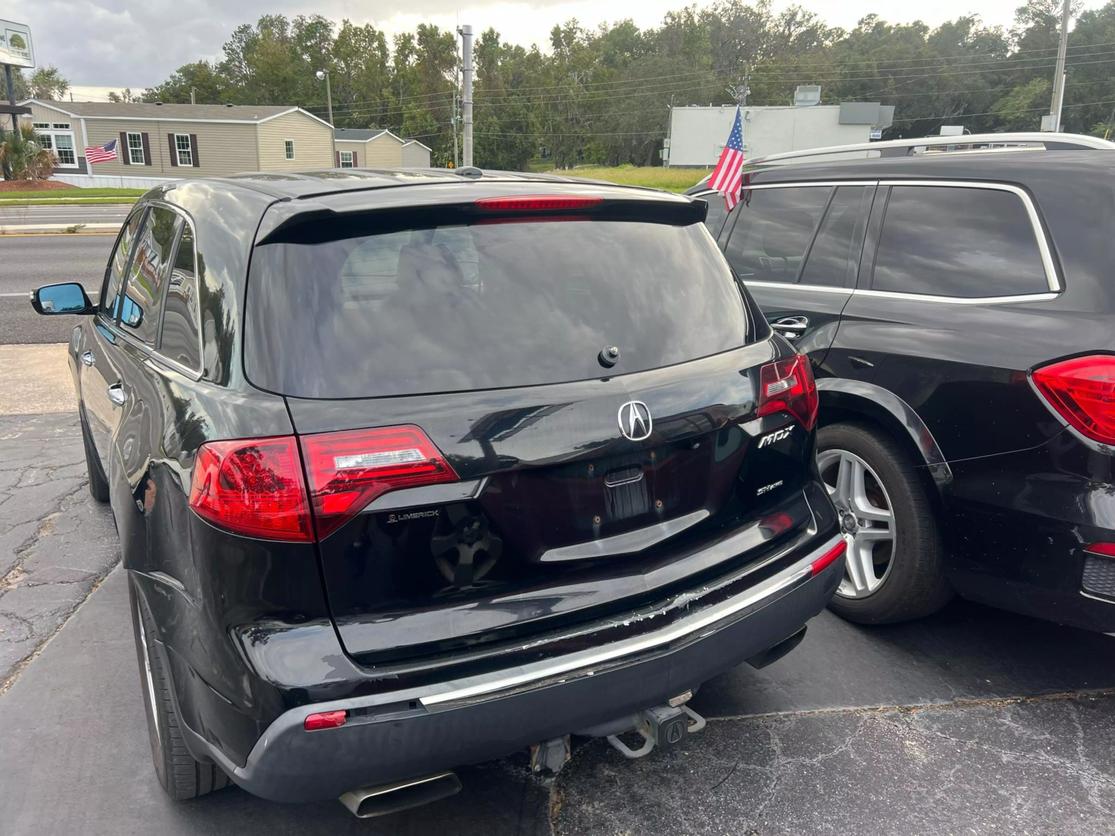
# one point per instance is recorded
(957, 304)
(415, 469)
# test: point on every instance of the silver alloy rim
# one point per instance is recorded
(866, 520)
(150, 680)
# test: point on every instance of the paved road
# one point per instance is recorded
(974, 721)
(69, 214)
(27, 261)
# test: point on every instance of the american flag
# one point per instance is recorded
(101, 153)
(727, 177)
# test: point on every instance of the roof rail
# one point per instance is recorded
(1036, 141)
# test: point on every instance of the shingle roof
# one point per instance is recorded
(146, 110)
(357, 134)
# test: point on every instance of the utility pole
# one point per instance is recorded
(193, 96)
(453, 124)
(1059, 72)
(466, 98)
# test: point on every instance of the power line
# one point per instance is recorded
(998, 113)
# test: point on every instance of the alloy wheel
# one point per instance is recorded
(866, 520)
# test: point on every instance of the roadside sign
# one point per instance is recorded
(15, 44)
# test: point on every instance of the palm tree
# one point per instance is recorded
(23, 157)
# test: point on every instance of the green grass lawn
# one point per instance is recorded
(655, 177)
(63, 196)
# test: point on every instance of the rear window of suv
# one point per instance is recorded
(958, 241)
(482, 306)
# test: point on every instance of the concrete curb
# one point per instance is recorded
(60, 229)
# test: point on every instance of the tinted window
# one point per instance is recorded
(957, 242)
(143, 292)
(773, 230)
(834, 257)
(118, 265)
(485, 306)
(179, 341)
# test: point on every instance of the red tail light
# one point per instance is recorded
(537, 203)
(347, 470)
(253, 487)
(325, 720)
(1105, 549)
(788, 386)
(1082, 391)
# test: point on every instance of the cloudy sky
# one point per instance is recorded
(118, 43)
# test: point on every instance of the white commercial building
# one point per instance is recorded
(697, 134)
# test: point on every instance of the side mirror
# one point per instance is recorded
(67, 298)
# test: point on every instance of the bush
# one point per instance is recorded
(22, 157)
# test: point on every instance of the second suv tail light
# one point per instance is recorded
(347, 470)
(788, 386)
(1082, 391)
(253, 487)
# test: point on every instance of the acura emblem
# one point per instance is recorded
(634, 420)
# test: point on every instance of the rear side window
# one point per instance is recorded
(961, 242)
(834, 257)
(118, 265)
(147, 274)
(773, 230)
(485, 306)
(180, 341)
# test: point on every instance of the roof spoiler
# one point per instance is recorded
(319, 223)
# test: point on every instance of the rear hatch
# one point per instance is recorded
(554, 401)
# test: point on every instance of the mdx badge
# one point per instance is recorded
(634, 421)
(777, 435)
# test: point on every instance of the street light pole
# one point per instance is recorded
(323, 75)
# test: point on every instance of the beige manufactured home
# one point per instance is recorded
(179, 140)
(378, 148)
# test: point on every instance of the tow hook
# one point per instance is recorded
(666, 726)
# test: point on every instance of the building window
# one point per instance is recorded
(289, 147)
(59, 140)
(346, 159)
(184, 149)
(135, 149)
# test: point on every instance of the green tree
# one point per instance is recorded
(47, 83)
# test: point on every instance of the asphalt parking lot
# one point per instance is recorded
(974, 721)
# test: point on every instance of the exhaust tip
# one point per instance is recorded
(384, 800)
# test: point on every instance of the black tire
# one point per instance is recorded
(98, 483)
(915, 585)
(181, 775)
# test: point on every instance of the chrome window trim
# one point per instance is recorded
(811, 184)
(154, 353)
(1053, 278)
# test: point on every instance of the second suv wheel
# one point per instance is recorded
(894, 562)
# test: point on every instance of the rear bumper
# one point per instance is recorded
(398, 735)
(1018, 525)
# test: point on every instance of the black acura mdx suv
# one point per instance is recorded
(956, 297)
(415, 469)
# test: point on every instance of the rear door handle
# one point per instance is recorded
(791, 327)
(116, 394)
(87, 358)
